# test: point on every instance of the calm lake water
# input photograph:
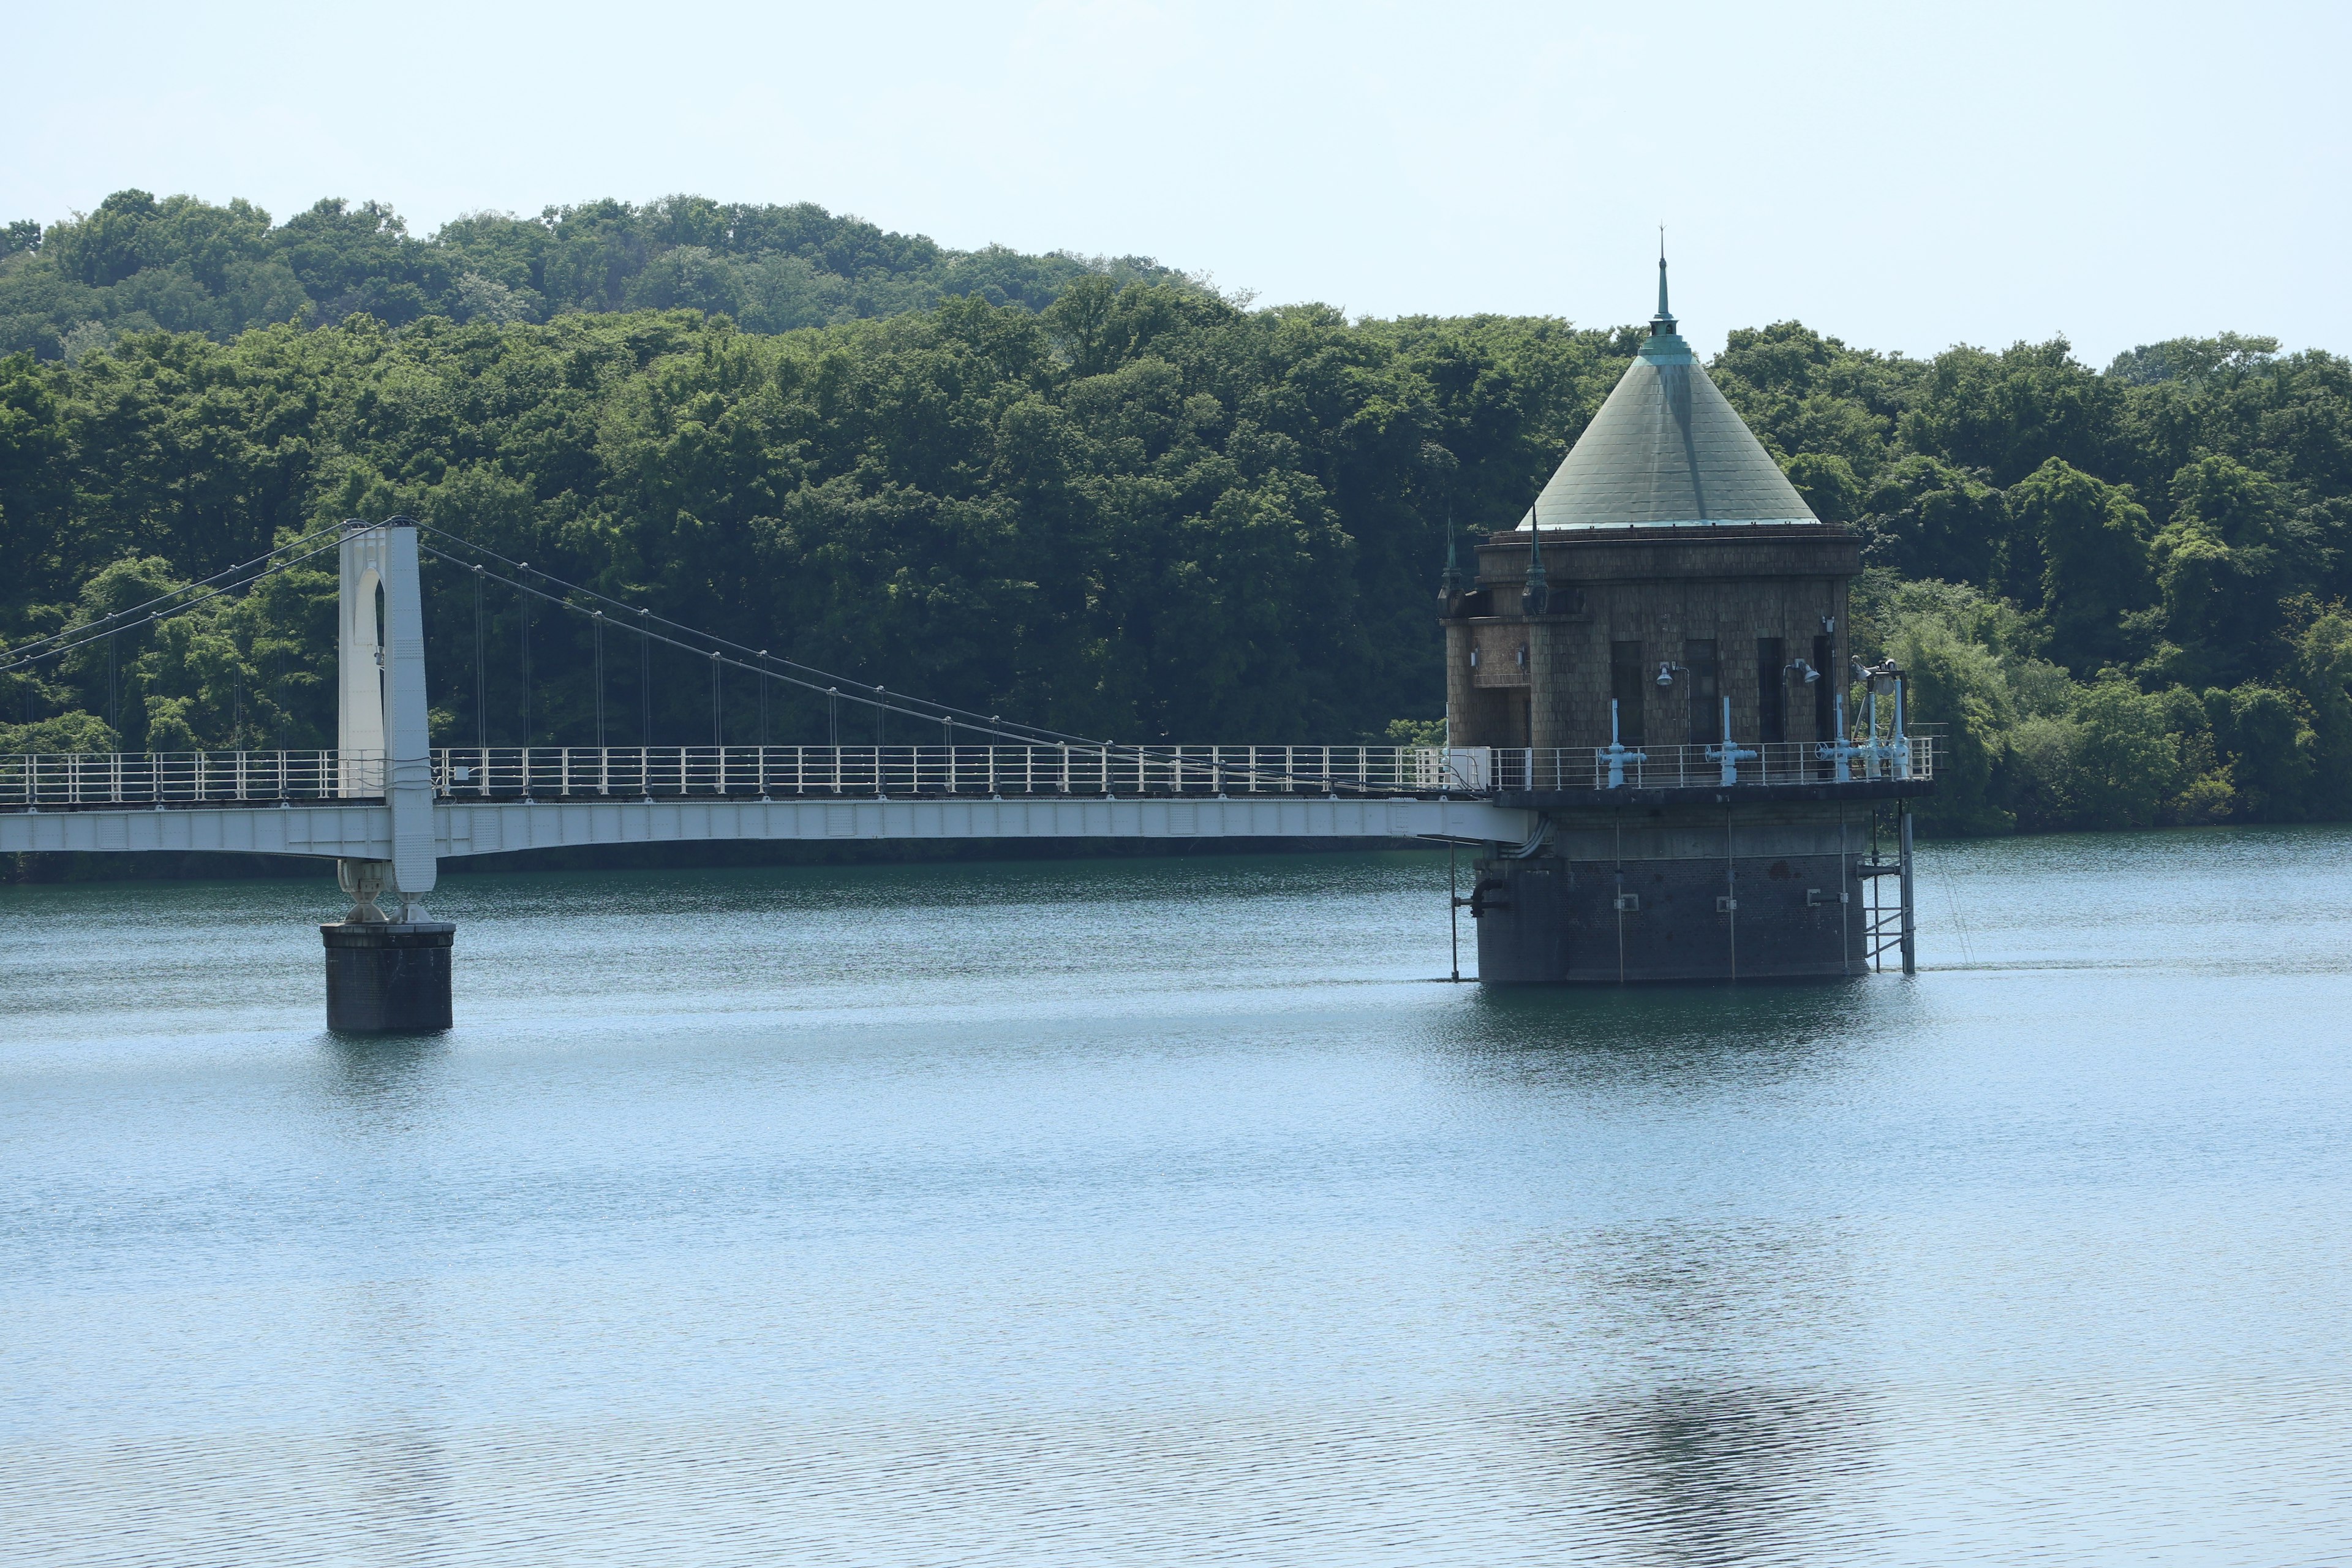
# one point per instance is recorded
(1163, 1211)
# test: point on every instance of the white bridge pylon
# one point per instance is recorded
(375, 804)
(381, 711)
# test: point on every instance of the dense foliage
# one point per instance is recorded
(2121, 592)
(1143, 511)
(1140, 513)
(184, 264)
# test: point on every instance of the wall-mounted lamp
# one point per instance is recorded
(1803, 667)
(1668, 670)
(1522, 656)
(1829, 626)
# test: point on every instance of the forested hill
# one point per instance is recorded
(183, 265)
(1144, 512)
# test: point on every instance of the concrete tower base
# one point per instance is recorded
(386, 978)
(1682, 892)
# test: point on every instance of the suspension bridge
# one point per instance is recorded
(387, 806)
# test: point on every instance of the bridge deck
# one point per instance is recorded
(363, 830)
(491, 801)
(1059, 771)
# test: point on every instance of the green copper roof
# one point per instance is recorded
(1668, 451)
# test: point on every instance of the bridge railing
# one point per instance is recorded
(1519, 768)
(631, 773)
(160, 778)
(637, 772)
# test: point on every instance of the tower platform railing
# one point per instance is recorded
(1524, 769)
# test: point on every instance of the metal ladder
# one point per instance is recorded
(1889, 923)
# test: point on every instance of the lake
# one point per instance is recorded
(1163, 1211)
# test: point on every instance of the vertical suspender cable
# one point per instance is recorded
(718, 729)
(113, 713)
(481, 672)
(645, 682)
(833, 717)
(524, 572)
(600, 681)
(763, 697)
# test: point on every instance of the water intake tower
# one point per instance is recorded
(1656, 660)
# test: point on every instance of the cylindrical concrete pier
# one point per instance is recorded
(388, 978)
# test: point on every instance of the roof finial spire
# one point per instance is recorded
(1663, 323)
(1449, 582)
(1535, 599)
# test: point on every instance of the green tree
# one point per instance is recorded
(1826, 481)
(2012, 412)
(1927, 519)
(2270, 746)
(2128, 762)
(2092, 541)
(2223, 562)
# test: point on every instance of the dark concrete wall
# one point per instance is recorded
(388, 979)
(1554, 918)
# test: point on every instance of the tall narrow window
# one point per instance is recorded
(1824, 691)
(1629, 687)
(1772, 690)
(1705, 690)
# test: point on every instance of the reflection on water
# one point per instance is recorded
(386, 1072)
(1712, 1475)
(1157, 1212)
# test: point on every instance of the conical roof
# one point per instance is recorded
(1668, 451)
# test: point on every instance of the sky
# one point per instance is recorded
(1902, 176)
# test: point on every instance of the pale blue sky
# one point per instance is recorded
(1904, 177)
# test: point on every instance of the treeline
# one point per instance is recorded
(2122, 593)
(1147, 513)
(1142, 513)
(184, 264)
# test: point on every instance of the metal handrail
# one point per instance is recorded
(32, 780)
(1554, 768)
(639, 772)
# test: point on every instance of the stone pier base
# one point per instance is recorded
(388, 978)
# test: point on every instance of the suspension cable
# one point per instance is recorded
(884, 702)
(927, 706)
(883, 699)
(125, 615)
(32, 653)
